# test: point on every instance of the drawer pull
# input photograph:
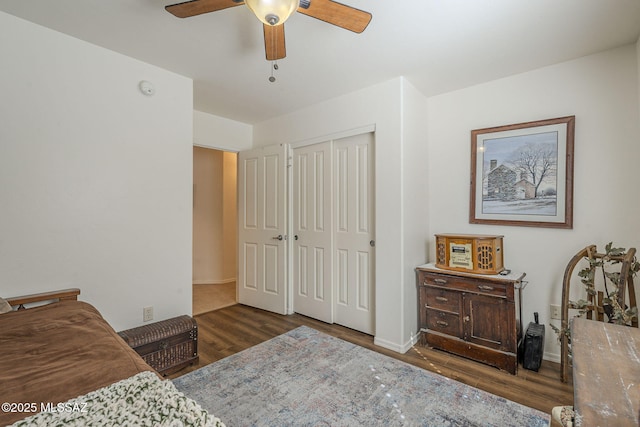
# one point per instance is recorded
(442, 323)
(442, 299)
(441, 281)
(485, 288)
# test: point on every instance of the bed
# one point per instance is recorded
(62, 362)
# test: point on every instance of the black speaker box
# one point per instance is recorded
(533, 345)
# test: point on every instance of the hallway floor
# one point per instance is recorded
(213, 297)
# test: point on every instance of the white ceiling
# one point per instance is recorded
(439, 45)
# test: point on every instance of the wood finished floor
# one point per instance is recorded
(211, 297)
(224, 332)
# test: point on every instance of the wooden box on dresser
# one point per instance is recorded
(472, 315)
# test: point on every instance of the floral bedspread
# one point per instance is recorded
(141, 400)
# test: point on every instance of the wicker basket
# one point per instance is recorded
(167, 346)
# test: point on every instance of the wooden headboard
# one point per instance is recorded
(63, 294)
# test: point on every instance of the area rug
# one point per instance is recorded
(308, 378)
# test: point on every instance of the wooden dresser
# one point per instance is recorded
(471, 315)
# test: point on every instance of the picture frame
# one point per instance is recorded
(522, 174)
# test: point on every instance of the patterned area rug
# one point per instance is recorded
(308, 378)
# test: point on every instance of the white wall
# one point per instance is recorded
(221, 133)
(416, 202)
(381, 105)
(638, 70)
(95, 178)
(602, 92)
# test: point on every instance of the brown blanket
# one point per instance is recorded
(53, 353)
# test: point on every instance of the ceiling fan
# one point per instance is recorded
(273, 14)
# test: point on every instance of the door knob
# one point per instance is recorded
(278, 237)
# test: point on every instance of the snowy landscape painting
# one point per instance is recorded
(522, 174)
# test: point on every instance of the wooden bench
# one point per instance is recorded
(606, 373)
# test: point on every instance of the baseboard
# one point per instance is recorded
(213, 282)
(398, 348)
(409, 345)
(551, 357)
(387, 344)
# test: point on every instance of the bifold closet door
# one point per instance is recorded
(333, 218)
(354, 240)
(312, 228)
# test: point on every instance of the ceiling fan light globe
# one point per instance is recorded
(272, 12)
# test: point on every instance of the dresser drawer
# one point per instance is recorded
(442, 299)
(466, 284)
(444, 322)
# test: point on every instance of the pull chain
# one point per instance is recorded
(274, 66)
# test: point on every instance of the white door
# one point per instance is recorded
(262, 228)
(354, 280)
(312, 229)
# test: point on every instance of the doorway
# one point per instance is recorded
(214, 229)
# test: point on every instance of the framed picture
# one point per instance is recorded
(522, 174)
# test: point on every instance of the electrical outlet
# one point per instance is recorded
(147, 314)
(556, 312)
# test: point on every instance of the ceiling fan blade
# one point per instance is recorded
(274, 45)
(338, 14)
(198, 7)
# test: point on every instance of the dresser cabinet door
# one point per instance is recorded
(489, 321)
